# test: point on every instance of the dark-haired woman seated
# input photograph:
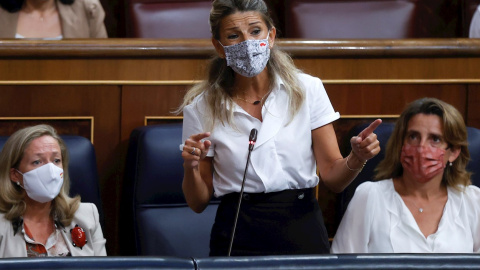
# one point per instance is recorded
(426, 203)
(52, 19)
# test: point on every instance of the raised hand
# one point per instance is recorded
(195, 149)
(365, 146)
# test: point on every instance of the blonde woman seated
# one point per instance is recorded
(426, 203)
(52, 19)
(37, 217)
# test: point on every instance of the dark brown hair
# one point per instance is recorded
(454, 132)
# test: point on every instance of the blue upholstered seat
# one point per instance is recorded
(344, 261)
(383, 134)
(82, 170)
(98, 263)
(163, 223)
(318, 262)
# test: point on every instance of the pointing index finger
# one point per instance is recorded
(200, 136)
(370, 129)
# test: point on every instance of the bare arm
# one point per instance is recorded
(197, 183)
(333, 168)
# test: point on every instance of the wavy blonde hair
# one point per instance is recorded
(12, 202)
(454, 132)
(218, 87)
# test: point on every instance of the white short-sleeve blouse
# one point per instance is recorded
(282, 157)
(378, 221)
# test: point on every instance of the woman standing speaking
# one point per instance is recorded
(252, 84)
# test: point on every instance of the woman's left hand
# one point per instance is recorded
(366, 145)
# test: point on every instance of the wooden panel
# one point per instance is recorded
(101, 102)
(202, 48)
(141, 101)
(100, 69)
(140, 60)
(161, 120)
(473, 102)
(393, 69)
(360, 99)
(64, 125)
(191, 69)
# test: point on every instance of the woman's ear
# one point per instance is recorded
(455, 152)
(14, 176)
(271, 36)
(218, 48)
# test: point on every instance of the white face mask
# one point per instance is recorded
(248, 58)
(43, 183)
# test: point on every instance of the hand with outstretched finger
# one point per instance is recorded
(366, 145)
(195, 149)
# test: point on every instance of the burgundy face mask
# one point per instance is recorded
(422, 162)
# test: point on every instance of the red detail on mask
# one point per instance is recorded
(78, 237)
(263, 44)
(422, 162)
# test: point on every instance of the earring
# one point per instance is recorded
(18, 183)
(450, 164)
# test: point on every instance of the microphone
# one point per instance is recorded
(251, 143)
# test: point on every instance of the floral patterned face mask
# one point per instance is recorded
(248, 58)
(422, 162)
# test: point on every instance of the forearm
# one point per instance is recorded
(338, 173)
(196, 190)
(341, 173)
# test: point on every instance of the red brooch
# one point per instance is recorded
(78, 237)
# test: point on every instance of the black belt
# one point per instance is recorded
(289, 195)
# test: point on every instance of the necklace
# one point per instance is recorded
(420, 209)
(255, 102)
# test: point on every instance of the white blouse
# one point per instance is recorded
(378, 221)
(55, 245)
(282, 157)
(475, 24)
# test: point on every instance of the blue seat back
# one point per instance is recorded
(474, 149)
(164, 225)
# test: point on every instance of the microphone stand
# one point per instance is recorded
(251, 144)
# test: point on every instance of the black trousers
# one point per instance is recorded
(277, 223)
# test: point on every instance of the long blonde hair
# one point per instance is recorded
(218, 87)
(12, 202)
(454, 132)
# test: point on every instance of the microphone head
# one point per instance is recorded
(253, 135)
